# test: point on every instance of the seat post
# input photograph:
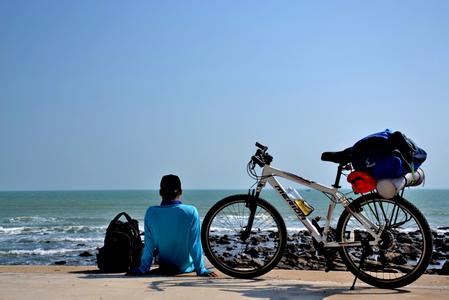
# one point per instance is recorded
(337, 178)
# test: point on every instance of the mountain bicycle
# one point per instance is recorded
(386, 243)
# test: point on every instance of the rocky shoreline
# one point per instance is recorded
(300, 253)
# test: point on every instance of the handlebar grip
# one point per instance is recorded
(260, 146)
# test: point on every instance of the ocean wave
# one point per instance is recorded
(37, 252)
(51, 229)
(296, 229)
(47, 240)
(221, 229)
(31, 219)
(79, 240)
(13, 230)
(289, 229)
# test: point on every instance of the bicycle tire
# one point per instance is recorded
(221, 237)
(400, 257)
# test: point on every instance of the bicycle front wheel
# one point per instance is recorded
(405, 248)
(229, 250)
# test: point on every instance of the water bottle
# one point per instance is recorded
(303, 206)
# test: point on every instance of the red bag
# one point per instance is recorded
(361, 182)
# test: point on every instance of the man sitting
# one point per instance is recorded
(172, 232)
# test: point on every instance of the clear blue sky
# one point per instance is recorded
(114, 94)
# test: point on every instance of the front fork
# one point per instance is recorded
(251, 203)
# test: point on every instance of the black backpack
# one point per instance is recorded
(122, 246)
(411, 154)
(372, 154)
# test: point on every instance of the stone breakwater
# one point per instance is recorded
(300, 253)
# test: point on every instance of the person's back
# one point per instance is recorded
(174, 230)
(172, 233)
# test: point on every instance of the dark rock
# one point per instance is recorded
(292, 255)
(213, 238)
(226, 254)
(282, 265)
(430, 271)
(307, 247)
(291, 262)
(224, 240)
(445, 269)
(301, 261)
(308, 255)
(404, 238)
(254, 242)
(338, 266)
(410, 251)
(244, 256)
(438, 242)
(257, 262)
(395, 258)
(291, 248)
(438, 255)
(60, 262)
(254, 252)
(414, 233)
(300, 254)
(273, 235)
(85, 254)
(445, 246)
(434, 262)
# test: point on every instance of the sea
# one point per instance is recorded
(67, 227)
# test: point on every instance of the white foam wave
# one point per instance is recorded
(79, 240)
(31, 219)
(51, 229)
(221, 229)
(45, 239)
(289, 229)
(36, 252)
(12, 230)
(296, 229)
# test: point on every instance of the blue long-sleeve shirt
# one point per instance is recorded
(173, 232)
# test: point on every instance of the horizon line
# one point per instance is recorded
(157, 189)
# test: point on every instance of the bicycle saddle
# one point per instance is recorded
(339, 157)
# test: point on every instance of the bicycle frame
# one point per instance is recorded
(268, 175)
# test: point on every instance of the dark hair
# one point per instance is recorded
(170, 187)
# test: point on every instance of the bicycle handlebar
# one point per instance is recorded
(261, 157)
(261, 147)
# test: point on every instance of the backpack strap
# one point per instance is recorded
(128, 218)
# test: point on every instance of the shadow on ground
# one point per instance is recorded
(286, 289)
(252, 288)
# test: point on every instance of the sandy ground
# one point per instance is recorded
(63, 282)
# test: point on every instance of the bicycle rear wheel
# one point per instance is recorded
(234, 255)
(404, 251)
